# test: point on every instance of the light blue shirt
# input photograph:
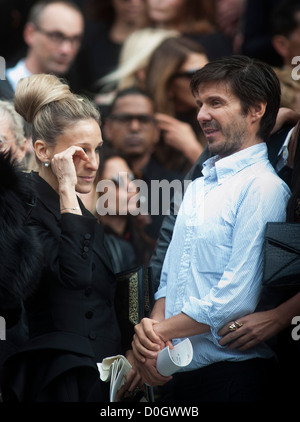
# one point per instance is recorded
(283, 154)
(19, 71)
(213, 267)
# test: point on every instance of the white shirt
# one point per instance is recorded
(213, 267)
(14, 74)
(283, 153)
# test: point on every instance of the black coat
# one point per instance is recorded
(19, 245)
(19, 256)
(71, 317)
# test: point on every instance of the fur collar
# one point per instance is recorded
(19, 246)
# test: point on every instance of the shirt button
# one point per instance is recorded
(84, 255)
(89, 314)
(108, 302)
(87, 236)
(86, 249)
(92, 335)
(88, 291)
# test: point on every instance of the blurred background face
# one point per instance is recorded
(166, 11)
(56, 40)
(131, 127)
(130, 11)
(8, 139)
(117, 171)
(294, 41)
(180, 87)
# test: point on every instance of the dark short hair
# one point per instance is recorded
(250, 80)
(133, 90)
(283, 18)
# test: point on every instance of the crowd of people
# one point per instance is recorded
(104, 105)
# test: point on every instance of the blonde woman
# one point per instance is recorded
(71, 316)
(134, 58)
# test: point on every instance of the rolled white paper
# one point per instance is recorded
(170, 361)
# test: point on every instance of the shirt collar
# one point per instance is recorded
(18, 72)
(287, 141)
(223, 168)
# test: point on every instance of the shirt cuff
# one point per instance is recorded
(162, 292)
(199, 314)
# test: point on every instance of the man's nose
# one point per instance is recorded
(135, 123)
(68, 47)
(203, 114)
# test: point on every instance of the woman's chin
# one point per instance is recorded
(83, 189)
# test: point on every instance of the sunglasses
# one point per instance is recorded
(188, 74)
(126, 119)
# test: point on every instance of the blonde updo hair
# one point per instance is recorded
(47, 103)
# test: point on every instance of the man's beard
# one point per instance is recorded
(233, 137)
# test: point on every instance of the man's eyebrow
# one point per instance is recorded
(216, 97)
(210, 98)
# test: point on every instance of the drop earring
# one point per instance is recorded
(47, 163)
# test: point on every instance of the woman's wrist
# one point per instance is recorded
(66, 189)
(160, 331)
(69, 202)
(68, 209)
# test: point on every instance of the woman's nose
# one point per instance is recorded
(93, 161)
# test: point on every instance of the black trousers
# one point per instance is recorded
(246, 381)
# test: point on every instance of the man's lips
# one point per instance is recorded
(210, 132)
(133, 141)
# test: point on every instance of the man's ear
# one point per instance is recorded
(28, 33)
(281, 45)
(42, 150)
(257, 111)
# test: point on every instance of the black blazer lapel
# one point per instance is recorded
(50, 199)
(46, 194)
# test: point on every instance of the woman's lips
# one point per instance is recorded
(87, 179)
